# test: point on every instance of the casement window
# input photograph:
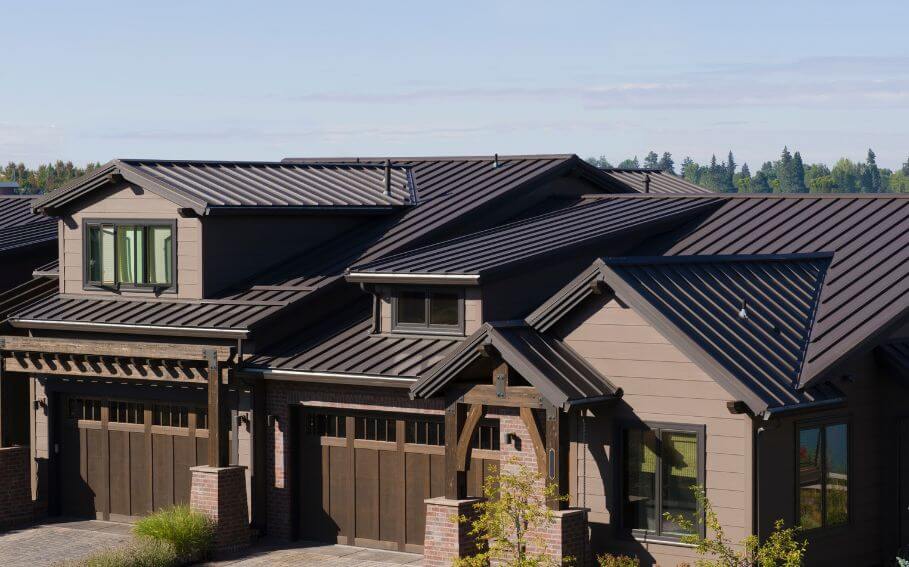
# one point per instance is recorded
(823, 475)
(428, 310)
(661, 467)
(130, 254)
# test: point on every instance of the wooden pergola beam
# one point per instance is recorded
(73, 365)
(163, 351)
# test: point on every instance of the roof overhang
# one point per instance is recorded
(201, 332)
(413, 278)
(331, 377)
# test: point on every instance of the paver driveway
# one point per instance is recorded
(46, 544)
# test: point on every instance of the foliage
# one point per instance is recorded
(509, 517)
(190, 533)
(610, 560)
(144, 552)
(46, 177)
(780, 549)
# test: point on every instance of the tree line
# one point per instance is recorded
(45, 177)
(789, 174)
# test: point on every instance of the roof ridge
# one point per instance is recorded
(489, 157)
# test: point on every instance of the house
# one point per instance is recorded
(344, 349)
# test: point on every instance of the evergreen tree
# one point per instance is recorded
(729, 179)
(871, 175)
(798, 174)
(784, 172)
(630, 164)
(651, 160)
(905, 168)
(600, 162)
(691, 170)
(666, 163)
(760, 183)
(742, 180)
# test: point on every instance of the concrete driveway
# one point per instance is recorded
(47, 544)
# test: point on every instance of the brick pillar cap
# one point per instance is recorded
(570, 512)
(442, 501)
(214, 470)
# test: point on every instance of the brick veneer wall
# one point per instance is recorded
(220, 494)
(15, 492)
(446, 537)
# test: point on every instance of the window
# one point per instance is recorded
(137, 255)
(425, 432)
(661, 465)
(325, 425)
(823, 457)
(431, 310)
(375, 428)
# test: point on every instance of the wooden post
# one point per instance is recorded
(4, 429)
(218, 448)
(455, 480)
(556, 453)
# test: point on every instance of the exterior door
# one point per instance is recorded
(121, 459)
(363, 479)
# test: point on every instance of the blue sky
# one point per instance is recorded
(264, 80)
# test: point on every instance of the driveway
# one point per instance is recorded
(46, 544)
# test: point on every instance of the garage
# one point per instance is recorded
(362, 478)
(119, 459)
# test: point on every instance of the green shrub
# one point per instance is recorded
(144, 552)
(190, 533)
(610, 560)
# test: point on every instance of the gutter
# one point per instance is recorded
(331, 377)
(205, 332)
(415, 278)
(791, 408)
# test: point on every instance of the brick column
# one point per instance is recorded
(15, 486)
(566, 537)
(220, 494)
(446, 538)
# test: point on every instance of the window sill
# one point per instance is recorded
(129, 290)
(655, 539)
(424, 332)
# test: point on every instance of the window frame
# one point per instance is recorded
(822, 423)
(89, 285)
(618, 448)
(428, 327)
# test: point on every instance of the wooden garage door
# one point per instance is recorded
(121, 459)
(363, 479)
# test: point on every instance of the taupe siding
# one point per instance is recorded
(661, 385)
(128, 202)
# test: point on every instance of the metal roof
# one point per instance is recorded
(29, 292)
(750, 315)
(559, 373)
(654, 181)
(479, 253)
(19, 227)
(867, 284)
(353, 350)
(213, 186)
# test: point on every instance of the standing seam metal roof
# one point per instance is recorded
(661, 182)
(19, 227)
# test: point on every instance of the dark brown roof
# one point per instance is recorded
(20, 228)
(867, 284)
(559, 373)
(660, 182)
(590, 222)
(212, 186)
(27, 293)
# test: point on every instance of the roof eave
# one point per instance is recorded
(349, 378)
(413, 278)
(168, 330)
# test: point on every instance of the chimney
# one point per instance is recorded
(495, 161)
(646, 183)
(388, 177)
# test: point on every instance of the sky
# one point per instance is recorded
(92, 81)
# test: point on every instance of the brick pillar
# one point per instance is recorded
(15, 486)
(446, 538)
(567, 537)
(220, 494)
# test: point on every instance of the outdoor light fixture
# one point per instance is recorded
(743, 312)
(41, 403)
(271, 419)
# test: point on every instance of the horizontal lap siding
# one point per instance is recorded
(123, 203)
(661, 384)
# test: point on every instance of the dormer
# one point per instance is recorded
(189, 230)
(438, 310)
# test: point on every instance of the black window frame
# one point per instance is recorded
(619, 471)
(822, 424)
(428, 327)
(88, 284)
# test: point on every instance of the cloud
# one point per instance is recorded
(30, 142)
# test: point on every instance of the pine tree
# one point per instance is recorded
(666, 164)
(630, 164)
(871, 175)
(798, 174)
(905, 168)
(760, 183)
(784, 171)
(729, 180)
(651, 160)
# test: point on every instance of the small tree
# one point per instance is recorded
(781, 548)
(509, 519)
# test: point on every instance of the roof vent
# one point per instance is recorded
(646, 183)
(388, 177)
(743, 312)
(495, 161)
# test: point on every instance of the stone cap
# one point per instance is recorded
(442, 501)
(214, 470)
(570, 512)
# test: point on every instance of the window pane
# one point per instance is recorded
(160, 255)
(640, 480)
(412, 307)
(443, 309)
(680, 477)
(130, 261)
(810, 478)
(837, 471)
(101, 254)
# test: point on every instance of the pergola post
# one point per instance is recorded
(455, 480)
(556, 453)
(218, 422)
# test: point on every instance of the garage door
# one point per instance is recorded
(362, 479)
(121, 459)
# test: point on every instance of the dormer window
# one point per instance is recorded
(428, 310)
(130, 254)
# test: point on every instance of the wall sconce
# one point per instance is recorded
(271, 419)
(41, 403)
(513, 439)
